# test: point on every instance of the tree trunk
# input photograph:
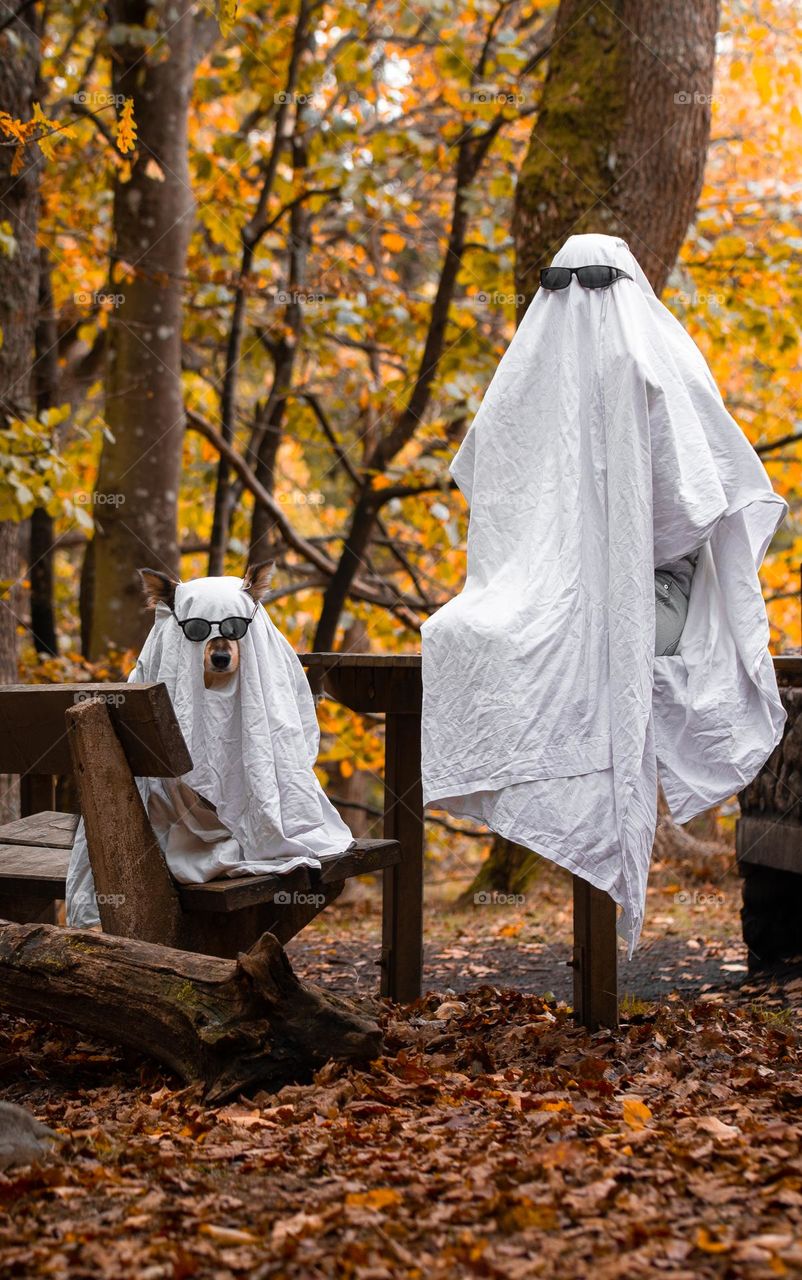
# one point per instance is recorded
(231, 1024)
(137, 486)
(619, 147)
(621, 135)
(508, 870)
(19, 206)
(40, 552)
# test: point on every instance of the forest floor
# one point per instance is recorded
(493, 1138)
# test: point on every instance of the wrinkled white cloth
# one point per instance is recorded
(601, 449)
(251, 804)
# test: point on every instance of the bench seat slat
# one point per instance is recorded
(50, 829)
(248, 891)
(39, 867)
(24, 866)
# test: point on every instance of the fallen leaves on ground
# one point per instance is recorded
(493, 1138)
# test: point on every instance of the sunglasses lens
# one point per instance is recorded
(555, 277)
(595, 277)
(196, 629)
(233, 628)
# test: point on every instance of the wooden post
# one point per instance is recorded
(402, 908)
(595, 957)
(37, 793)
(136, 894)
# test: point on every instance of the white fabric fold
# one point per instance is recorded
(601, 448)
(251, 803)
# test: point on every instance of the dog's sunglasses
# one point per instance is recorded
(589, 277)
(201, 629)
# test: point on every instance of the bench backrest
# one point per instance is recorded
(33, 732)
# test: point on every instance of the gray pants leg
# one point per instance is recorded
(671, 610)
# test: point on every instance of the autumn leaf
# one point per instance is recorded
(708, 1243)
(227, 1235)
(227, 15)
(379, 1198)
(126, 127)
(636, 1113)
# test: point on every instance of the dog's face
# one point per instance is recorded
(220, 656)
(220, 661)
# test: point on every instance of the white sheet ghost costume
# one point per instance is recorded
(601, 449)
(251, 804)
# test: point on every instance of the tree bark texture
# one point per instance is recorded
(620, 138)
(231, 1024)
(19, 207)
(135, 505)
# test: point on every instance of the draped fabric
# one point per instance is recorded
(601, 449)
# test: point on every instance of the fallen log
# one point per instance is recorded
(232, 1024)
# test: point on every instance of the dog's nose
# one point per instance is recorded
(221, 661)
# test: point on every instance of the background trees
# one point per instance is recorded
(320, 198)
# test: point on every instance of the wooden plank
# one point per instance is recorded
(31, 866)
(33, 736)
(788, 668)
(374, 661)
(595, 957)
(767, 842)
(237, 893)
(50, 829)
(244, 891)
(402, 906)
(37, 791)
(368, 682)
(135, 892)
(366, 856)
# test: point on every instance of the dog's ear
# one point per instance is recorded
(256, 582)
(158, 588)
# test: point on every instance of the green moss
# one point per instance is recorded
(572, 163)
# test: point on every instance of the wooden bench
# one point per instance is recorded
(367, 684)
(107, 735)
(768, 837)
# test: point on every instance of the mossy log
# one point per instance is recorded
(231, 1024)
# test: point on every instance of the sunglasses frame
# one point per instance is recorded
(574, 271)
(200, 639)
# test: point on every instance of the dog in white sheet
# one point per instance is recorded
(251, 803)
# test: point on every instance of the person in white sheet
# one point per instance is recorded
(554, 687)
(251, 804)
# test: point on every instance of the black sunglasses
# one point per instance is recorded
(200, 629)
(588, 277)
